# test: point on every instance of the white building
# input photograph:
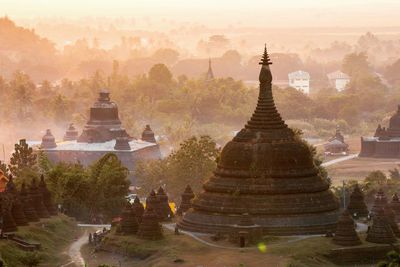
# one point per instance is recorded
(338, 80)
(300, 80)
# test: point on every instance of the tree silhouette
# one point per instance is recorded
(23, 158)
(160, 73)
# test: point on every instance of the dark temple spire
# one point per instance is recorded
(265, 60)
(210, 73)
(266, 116)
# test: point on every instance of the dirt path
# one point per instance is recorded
(341, 159)
(171, 227)
(74, 251)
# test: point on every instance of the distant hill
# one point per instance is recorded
(22, 49)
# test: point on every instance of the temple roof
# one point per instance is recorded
(391, 133)
(300, 74)
(394, 122)
(48, 140)
(148, 135)
(105, 146)
(71, 133)
(337, 75)
(104, 123)
(336, 142)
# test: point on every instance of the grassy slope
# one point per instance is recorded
(307, 252)
(54, 234)
(280, 252)
(164, 252)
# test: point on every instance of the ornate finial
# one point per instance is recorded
(265, 60)
(265, 76)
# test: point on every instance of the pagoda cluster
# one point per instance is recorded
(146, 222)
(28, 204)
(384, 214)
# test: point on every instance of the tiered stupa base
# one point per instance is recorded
(304, 224)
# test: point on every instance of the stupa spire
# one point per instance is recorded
(265, 60)
(210, 73)
(266, 117)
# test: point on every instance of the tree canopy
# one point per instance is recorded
(191, 164)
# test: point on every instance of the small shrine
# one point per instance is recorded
(153, 202)
(345, 234)
(336, 145)
(29, 210)
(71, 133)
(164, 204)
(391, 218)
(48, 140)
(357, 206)
(37, 200)
(148, 135)
(380, 232)
(395, 205)
(47, 198)
(138, 208)
(149, 227)
(186, 200)
(129, 224)
(380, 202)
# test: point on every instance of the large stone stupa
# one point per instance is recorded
(268, 172)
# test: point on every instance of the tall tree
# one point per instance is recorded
(191, 164)
(60, 110)
(160, 74)
(22, 88)
(109, 185)
(22, 159)
(4, 167)
(356, 64)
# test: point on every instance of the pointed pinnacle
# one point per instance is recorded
(265, 58)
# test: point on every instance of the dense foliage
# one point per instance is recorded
(191, 165)
(179, 107)
(22, 159)
(94, 193)
(392, 260)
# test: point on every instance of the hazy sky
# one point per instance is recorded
(267, 13)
